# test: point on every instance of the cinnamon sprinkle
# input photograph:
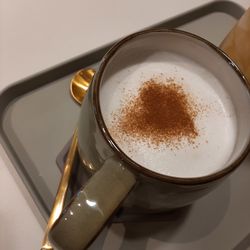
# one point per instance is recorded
(160, 113)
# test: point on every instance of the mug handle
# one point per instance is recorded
(91, 207)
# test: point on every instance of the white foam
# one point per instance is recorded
(217, 126)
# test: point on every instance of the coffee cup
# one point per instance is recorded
(144, 84)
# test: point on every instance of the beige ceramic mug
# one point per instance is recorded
(122, 177)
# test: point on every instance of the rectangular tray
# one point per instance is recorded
(38, 117)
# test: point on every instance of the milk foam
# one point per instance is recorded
(217, 125)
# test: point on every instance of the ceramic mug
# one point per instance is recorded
(117, 178)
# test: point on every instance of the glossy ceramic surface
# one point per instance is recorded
(98, 150)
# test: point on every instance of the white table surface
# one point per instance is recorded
(35, 35)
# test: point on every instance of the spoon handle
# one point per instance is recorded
(61, 191)
(237, 46)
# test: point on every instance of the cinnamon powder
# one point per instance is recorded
(160, 113)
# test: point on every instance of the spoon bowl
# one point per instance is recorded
(80, 83)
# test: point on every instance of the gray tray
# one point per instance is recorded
(38, 116)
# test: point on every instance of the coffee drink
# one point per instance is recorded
(163, 104)
(170, 115)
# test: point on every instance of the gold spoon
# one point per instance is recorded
(80, 83)
(78, 87)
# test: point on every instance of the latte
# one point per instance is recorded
(184, 152)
